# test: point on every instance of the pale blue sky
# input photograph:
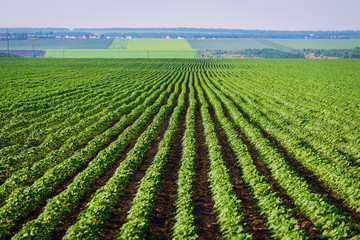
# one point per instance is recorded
(239, 14)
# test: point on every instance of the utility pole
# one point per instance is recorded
(7, 38)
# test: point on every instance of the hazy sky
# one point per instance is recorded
(240, 14)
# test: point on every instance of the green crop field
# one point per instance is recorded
(163, 48)
(93, 44)
(226, 44)
(118, 53)
(158, 44)
(131, 48)
(179, 148)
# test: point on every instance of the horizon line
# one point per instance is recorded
(199, 28)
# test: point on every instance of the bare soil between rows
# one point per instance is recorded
(206, 224)
(254, 222)
(118, 216)
(162, 221)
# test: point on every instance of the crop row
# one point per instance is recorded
(81, 107)
(23, 118)
(309, 135)
(92, 219)
(9, 164)
(327, 135)
(225, 201)
(290, 130)
(314, 206)
(60, 205)
(326, 119)
(184, 227)
(59, 84)
(27, 136)
(137, 220)
(25, 199)
(26, 176)
(279, 219)
(342, 178)
(35, 111)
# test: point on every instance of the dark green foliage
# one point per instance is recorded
(270, 53)
(338, 53)
(94, 44)
(4, 54)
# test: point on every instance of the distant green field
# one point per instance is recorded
(118, 53)
(94, 44)
(158, 44)
(172, 48)
(279, 44)
(57, 43)
(131, 48)
(226, 44)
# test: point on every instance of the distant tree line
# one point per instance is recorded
(219, 33)
(339, 53)
(178, 32)
(270, 53)
(274, 53)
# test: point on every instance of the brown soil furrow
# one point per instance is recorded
(254, 222)
(161, 220)
(118, 216)
(314, 182)
(303, 222)
(206, 224)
